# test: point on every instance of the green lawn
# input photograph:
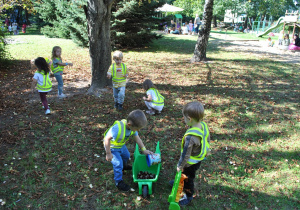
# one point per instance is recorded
(58, 161)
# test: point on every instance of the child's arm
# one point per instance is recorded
(187, 150)
(108, 75)
(141, 145)
(149, 98)
(65, 64)
(33, 84)
(107, 147)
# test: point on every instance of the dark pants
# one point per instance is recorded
(190, 172)
(44, 99)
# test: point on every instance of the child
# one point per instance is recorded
(154, 100)
(191, 27)
(185, 29)
(114, 143)
(42, 80)
(281, 37)
(194, 147)
(285, 42)
(270, 42)
(118, 73)
(57, 68)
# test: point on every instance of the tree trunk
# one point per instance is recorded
(215, 21)
(246, 23)
(200, 48)
(98, 13)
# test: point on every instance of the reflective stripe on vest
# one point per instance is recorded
(58, 68)
(114, 73)
(203, 134)
(121, 138)
(47, 84)
(160, 99)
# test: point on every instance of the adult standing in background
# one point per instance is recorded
(197, 23)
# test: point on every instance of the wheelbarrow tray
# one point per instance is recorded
(140, 164)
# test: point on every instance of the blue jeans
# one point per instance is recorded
(120, 158)
(59, 79)
(119, 94)
(197, 28)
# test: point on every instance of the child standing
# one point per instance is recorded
(114, 143)
(118, 73)
(42, 81)
(57, 68)
(191, 27)
(194, 147)
(154, 100)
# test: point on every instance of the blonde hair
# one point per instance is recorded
(147, 84)
(54, 51)
(117, 54)
(137, 118)
(194, 110)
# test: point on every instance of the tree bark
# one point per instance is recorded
(200, 48)
(215, 21)
(98, 13)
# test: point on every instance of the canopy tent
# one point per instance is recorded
(169, 8)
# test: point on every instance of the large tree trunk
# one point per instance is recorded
(98, 13)
(200, 48)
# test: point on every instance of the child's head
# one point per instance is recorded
(193, 110)
(56, 52)
(269, 39)
(191, 21)
(296, 36)
(118, 57)
(286, 36)
(136, 120)
(147, 84)
(42, 65)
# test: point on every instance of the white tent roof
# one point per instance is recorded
(169, 8)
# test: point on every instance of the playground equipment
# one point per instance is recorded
(178, 20)
(140, 164)
(290, 19)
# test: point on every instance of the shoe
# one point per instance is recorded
(171, 183)
(116, 105)
(123, 186)
(48, 111)
(127, 168)
(44, 106)
(185, 201)
(120, 107)
(62, 96)
(150, 112)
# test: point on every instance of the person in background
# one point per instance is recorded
(281, 37)
(185, 28)
(191, 27)
(197, 23)
(154, 100)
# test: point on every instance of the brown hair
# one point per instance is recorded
(137, 118)
(54, 51)
(194, 110)
(147, 84)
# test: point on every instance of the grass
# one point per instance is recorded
(244, 36)
(58, 161)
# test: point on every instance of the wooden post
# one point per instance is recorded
(294, 30)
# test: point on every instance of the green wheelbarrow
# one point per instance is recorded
(140, 164)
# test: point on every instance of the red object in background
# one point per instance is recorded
(24, 28)
(271, 34)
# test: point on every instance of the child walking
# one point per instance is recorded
(191, 27)
(57, 68)
(114, 143)
(154, 100)
(194, 147)
(118, 72)
(42, 82)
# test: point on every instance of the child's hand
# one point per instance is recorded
(108, 76)
(178, 169)
(109, 157)
(144, 98)
(70, 64)
(126, 75)
(148, 152)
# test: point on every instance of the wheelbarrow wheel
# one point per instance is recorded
(145, 191)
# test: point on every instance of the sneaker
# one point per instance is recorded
(48, 111)
(123, 186)
(44, 106)
(120, 107)
(185, 201)
(150, 112)
(116, 105)
(171, 183)
(62, 96)
(127, 168)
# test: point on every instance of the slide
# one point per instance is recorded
(278, 24)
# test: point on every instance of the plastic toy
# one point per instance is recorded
(176, 191)
(140, 164)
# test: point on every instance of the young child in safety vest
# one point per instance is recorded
(57, 68)
(154, 100)
(194, 147)
(118, 72)
(114, 143)
(42, 82)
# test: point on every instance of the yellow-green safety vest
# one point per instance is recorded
(47, 84)
(58, 68)
(203, 134)
(160, 99)
(114, 73)
(121, 138)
